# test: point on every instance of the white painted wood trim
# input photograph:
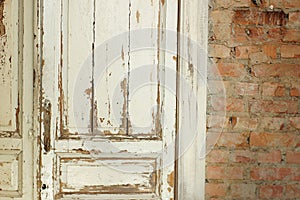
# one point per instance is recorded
(191, 163)
(27, 117)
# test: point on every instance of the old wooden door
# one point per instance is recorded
(16, 101)
(109, 99)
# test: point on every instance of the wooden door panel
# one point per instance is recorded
(16, 101)
(9, 59)
(109, 174)
(10, 134)
(111, 66)
(111, 128)
(77, 39)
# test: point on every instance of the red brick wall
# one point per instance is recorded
(254, 127)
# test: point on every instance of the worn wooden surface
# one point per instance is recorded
(16, 102)
(108, 122)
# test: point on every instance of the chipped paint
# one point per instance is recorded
(138, 15)
(123, 85)
(2, 26)
(88, 91)
(171, 178)
(47, 125)
(114, 125)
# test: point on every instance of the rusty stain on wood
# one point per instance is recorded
(191, 69)
(171, 179)
(47, 125)
(137, 15)
(122, 54)
(81, 151)
(163, 2)
(123, 85)
(88, 91)
(95, 116)
(17, 117)
(2, 26)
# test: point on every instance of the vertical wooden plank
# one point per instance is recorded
(111, 65)
(192, 95)
(168, 119)
(50, 63)
(26, 43)
(145, 68)
(80, 65)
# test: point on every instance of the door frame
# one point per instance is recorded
(193, 40)
(190, 165)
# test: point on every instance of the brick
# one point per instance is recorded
(258, 58)
(271, 106)
(269, 157)
(245, 17)
(232, 3)
(228, 104)
(230, 69)
(243, 156)
(218, 87)
(255, 17)
(222, 32)
(294, 19)
(243, 190)
(233, 140)
(293, 157)
(243, 123)
(243, 52)
(285, 3)
(271, 191)
(233, 123)
(293, 191)
(276, 70)
(271, 173)
(211, 139)
(235, 105)
(275, 34)
(295, 90)
(290, 51)
(295, 122)
(246, 89)
(219, 51)
(217, 156)
(221, 17)
(215, 189)
(292, 35)
(270, 50)
(215, 121)
(224, 3)
(273, 89)
(266, 140)
(255, 34)
(272, 123)
(224, 172)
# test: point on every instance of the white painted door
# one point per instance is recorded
(16, 101)
(109, 99)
